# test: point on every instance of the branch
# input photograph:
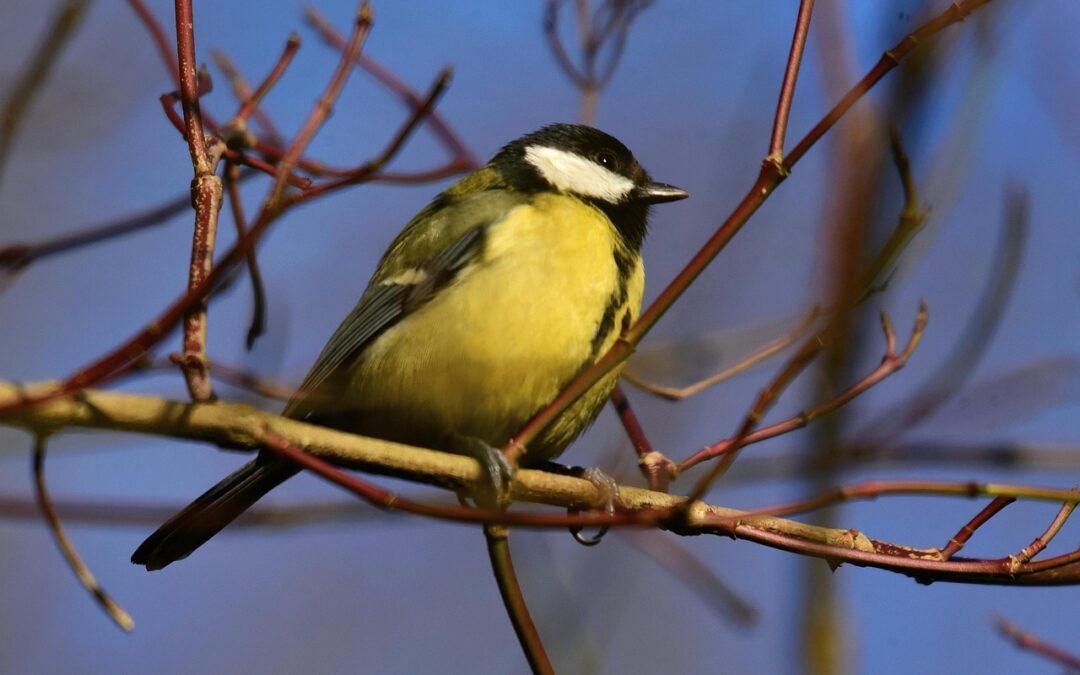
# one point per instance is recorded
(238, 426)
(206, 198)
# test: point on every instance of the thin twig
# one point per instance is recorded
(252, 101)
(877, 488)
(657, 468)
(502, 566)
(242, 91)
(258, 291)
(158, 37)
(1043, 540)
(85, 576)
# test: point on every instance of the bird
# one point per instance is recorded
(488, 303)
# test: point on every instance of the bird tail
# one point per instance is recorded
(210, 513)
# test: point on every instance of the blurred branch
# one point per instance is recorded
(688, 569)
(934, 453)
(1032, 643)
(16, 257)
(760, 355)
(373, 167)
(128, 513)
(891, 362)
(62, 28)
(607, 27)
(977, 335)
(258, 290)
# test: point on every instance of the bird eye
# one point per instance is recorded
(607, 159)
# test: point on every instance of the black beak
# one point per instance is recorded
(658, 193)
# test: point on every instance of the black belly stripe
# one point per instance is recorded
(624, 264)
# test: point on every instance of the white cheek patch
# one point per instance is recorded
(573, 173)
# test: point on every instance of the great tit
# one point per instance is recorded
(488, 303)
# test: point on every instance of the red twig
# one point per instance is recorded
(243, 92)
(160, 40)
(877, 488)
(251, 103)
(891, 362)
(231, 154)
(503, 568)
(1043, 540)
(657, 468)
(791, 75)
(981, 518)
(924, 565)
(206, 196)
(385, 499)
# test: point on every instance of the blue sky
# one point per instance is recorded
(693, 98)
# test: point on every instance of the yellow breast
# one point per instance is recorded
(504, 337)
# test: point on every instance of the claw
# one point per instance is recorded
(605, 485)
(498, 472)
(609, 495)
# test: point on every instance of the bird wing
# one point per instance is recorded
(424, 259)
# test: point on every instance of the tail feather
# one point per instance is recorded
(210, 513)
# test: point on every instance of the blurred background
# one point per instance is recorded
(989, 109)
